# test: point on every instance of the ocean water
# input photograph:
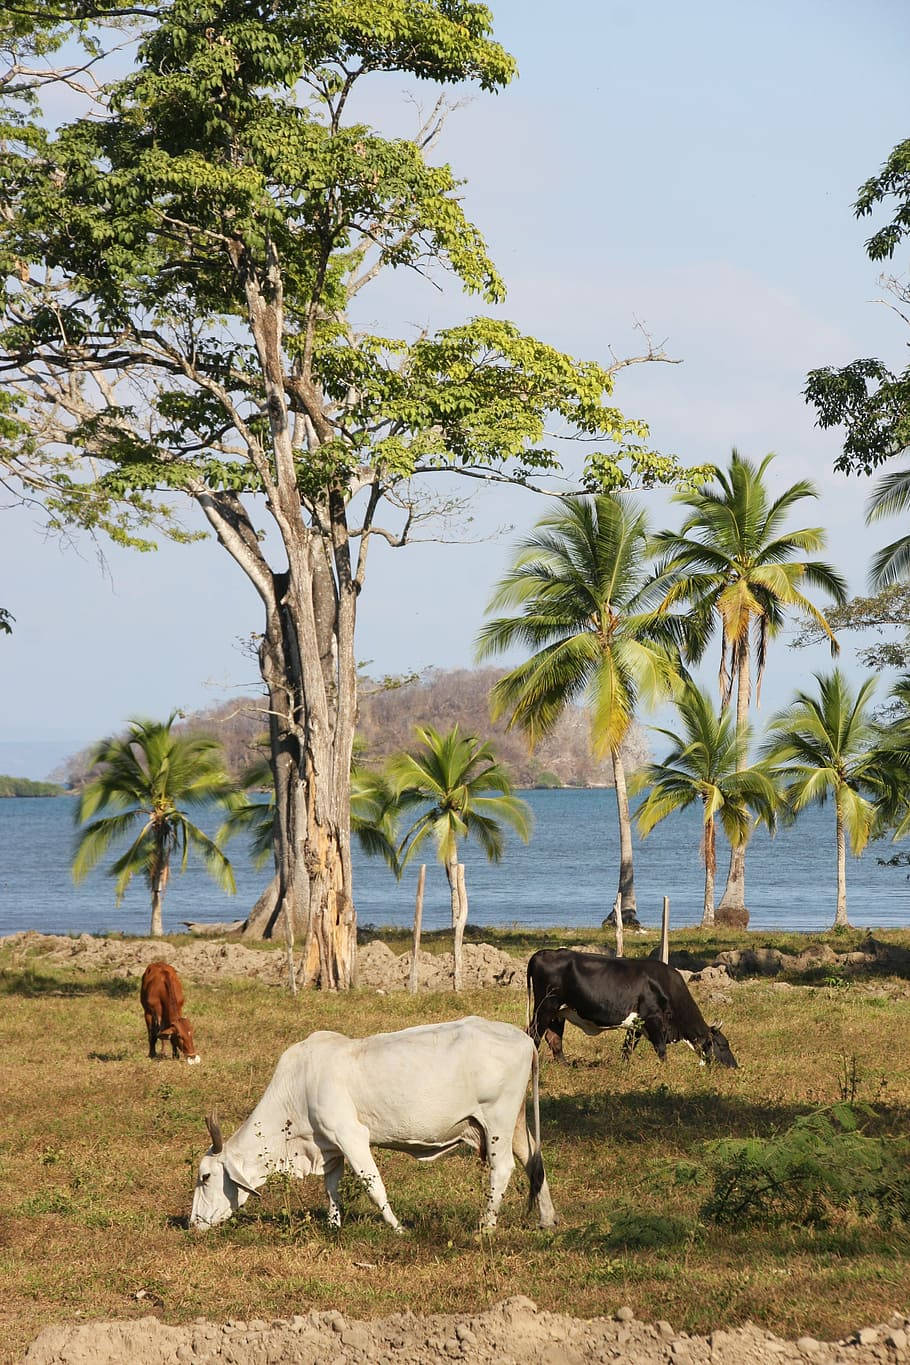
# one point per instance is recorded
(566, 875)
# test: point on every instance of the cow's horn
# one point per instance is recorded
(211, 1123)
(719, 1025)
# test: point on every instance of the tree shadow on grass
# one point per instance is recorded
(639, 1116)
(642, 1115)
(30, 983)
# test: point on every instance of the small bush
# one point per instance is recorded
(822, 1164)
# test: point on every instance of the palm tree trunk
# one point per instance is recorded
(707, 918)
(626, 866)
(734, 897)
(158, 882)
(840, 914)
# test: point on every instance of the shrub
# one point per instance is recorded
(823, 1163)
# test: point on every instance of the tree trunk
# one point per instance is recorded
(707, 918)
(734, 897)
(306, 657)
(840, 914)
(626, 866)
(157, 927)
(158, 882)
(260, 921)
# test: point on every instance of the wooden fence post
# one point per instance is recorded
(665, 931)
(460, 922)
(418, 919)
(617, 912)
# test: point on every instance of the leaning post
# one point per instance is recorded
(617, 913)
(459, 926)
(665, 931)
(418, 918)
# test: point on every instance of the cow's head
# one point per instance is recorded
(180, 1033)
(221, 1188)
(717, 1049)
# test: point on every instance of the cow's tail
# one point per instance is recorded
(536, 1175)
(528, 1008)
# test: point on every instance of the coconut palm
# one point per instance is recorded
(147, 776)
(732, 562)
(890, 495)
(465, 793)
(829, 745)
(584, 603)
(703, 766)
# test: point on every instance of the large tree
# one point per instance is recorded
(867, 398)
(582, 598)
(735, 564)
(186, 267)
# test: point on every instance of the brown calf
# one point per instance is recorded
(161, 995)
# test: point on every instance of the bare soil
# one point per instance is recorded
(210, 960)
(512, 1331)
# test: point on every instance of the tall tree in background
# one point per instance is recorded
(464, 793)
(736, 565)
(583, 601)
(146, 778)
(826, 745)
(185, 265)
(704, 767)
(867, 398)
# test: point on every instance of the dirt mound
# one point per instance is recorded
(482, 965)
(512, 1331)
(209, 960)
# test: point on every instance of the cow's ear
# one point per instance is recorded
(239, 1180)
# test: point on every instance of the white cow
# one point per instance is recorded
(423, 1090)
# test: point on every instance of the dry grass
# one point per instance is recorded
(100, 1145)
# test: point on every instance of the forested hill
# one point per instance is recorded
(24, 786)
(389, 710)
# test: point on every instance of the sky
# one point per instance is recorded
(686, 169)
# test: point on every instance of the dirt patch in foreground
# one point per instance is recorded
(513, 1331)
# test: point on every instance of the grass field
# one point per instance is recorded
(99, 1149)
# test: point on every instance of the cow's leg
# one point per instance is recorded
(523, 1150)
(334, 1170)
(502, 1164)
(151, 1024)
(553, 1030)
(354, 1143)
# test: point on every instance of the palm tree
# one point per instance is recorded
(733, 562)
(465, 792)
(585, 606)
(147, 776)
(829, 745)
(704, 766)
(890, 495)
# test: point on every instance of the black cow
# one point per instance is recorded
(598, 993)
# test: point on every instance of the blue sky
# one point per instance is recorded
(687, 167)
